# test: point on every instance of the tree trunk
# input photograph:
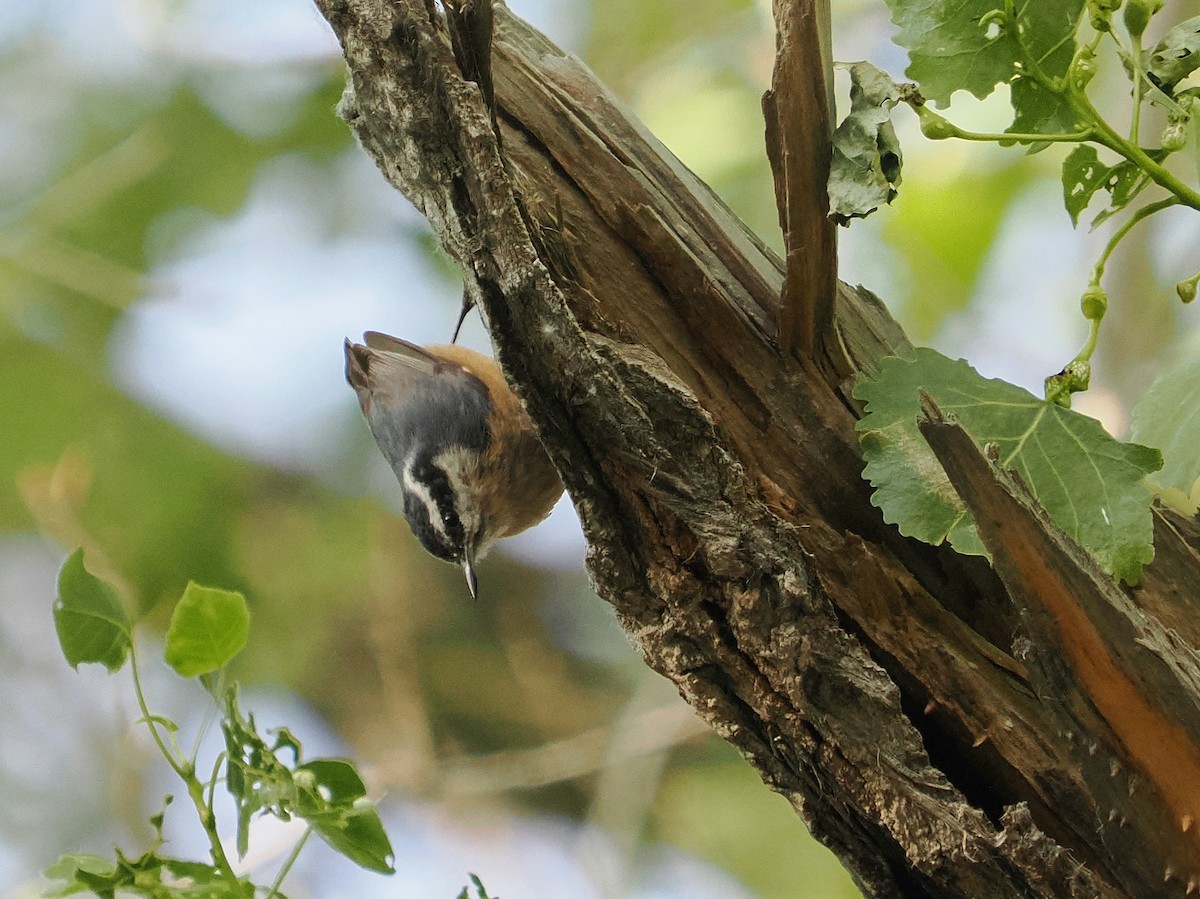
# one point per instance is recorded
(946, 726)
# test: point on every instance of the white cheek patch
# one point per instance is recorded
(420, 490)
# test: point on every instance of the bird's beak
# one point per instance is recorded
(468, 567)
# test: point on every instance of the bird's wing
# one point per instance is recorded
(388, 364)
(415, 385)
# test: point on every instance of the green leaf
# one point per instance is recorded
(1040, 111)
(950, 50)
(142, 876)
(1125, 181)
(1177, 55)
(1084, 174)
(254, 776)
(77, 873)
(91, 621)
(1168, 417)
(285, 739)
(208, 628)
(358, 834)
(1092, 485)
(865, 168)
(330, 795)
(340, 781)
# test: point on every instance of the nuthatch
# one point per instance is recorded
(463, 448)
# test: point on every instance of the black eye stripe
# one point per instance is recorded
(449, 546)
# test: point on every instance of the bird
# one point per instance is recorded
(469, 461)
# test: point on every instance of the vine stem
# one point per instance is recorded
(1144, 213)
(1135, 62)
(1105, 135)
(177, 765)
(291, 860)
(1089, 347)
(187, 773)
(209, 715)
(1014, 137)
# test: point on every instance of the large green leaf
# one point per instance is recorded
(1092, 485)
(951, 49)
(91, 621)
(330, 796)
(1168, 417)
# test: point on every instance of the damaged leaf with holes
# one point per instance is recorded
(1176, 56)
(1084, 175)
(327, 793)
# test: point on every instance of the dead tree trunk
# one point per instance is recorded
(947, 727)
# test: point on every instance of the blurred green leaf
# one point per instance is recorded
(151, 875)
(91, 621)
(208, 628)
(77, 872)
(356, 833)
(1168, 417)
(149, 477)
(720, 812)
(195, 159)
(947, 250)
(626, 38)
(1092, 485)
(480, 891)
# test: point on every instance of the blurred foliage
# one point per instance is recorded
(705, 807)
(949, 250)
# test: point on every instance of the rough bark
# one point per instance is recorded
(946, 727)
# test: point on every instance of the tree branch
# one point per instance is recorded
(717, 475)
